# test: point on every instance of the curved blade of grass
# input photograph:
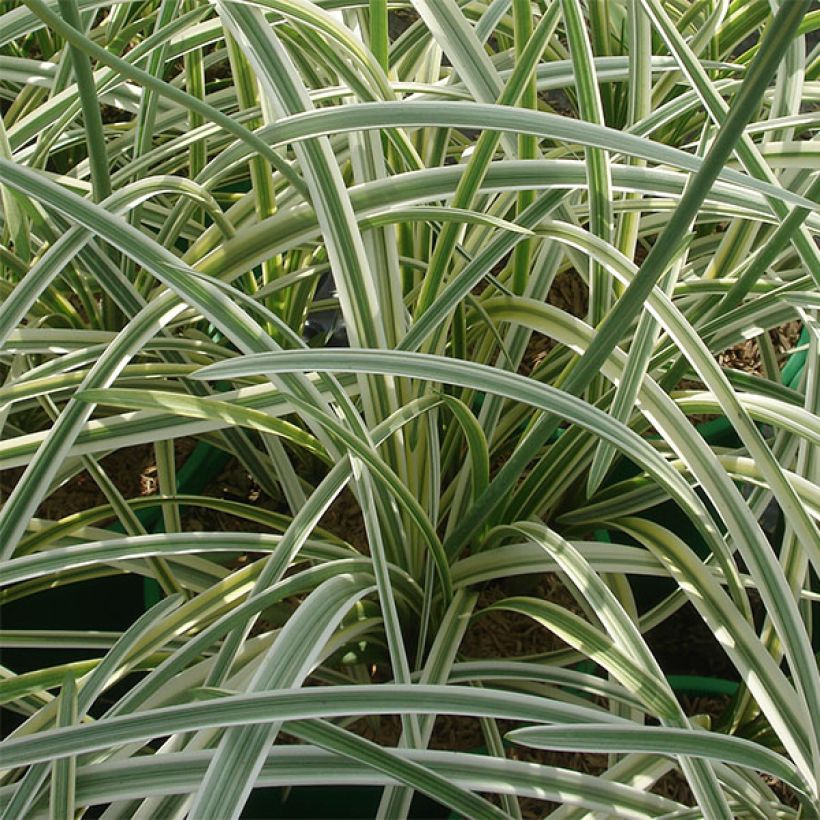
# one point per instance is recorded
(527, 559)
(597, 646)
(308, 766)
(488, 116)
(476, 443)
(599, 185)
(61, 804)
(296, 704)
(131, 547)
(662, 740)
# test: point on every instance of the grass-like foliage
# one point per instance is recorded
(189, 190)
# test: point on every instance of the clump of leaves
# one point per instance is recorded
(321, 238)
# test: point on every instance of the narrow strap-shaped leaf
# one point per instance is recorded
(100, 178)
(61, 805)
(663, 740)
(597, 646)
(297, 704)
(306, 765)
(597, 163)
